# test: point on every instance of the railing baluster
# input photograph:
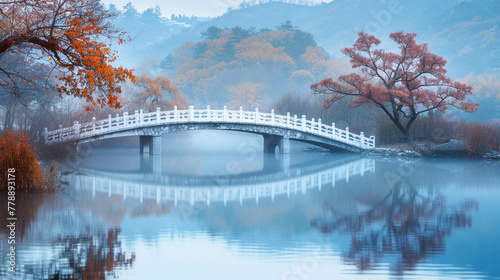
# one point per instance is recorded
(136, 118)
(191, 113)
(60, 133)
(158, 115)
(76, 130)
(125, 120)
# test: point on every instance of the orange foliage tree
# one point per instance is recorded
(259, 51)
(158, 92)
(69, 35)
(240, 57)
(246, 94)
(404, 85)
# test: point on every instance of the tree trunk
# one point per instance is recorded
(405, 130)
(6, 120)
(409, 137)
(8, 123)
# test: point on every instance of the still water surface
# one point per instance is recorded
(244, 215)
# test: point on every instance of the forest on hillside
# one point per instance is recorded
(247, 67)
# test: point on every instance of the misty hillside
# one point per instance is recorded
(246, 67)
(453, 29)
(443, 24)
(440, 23)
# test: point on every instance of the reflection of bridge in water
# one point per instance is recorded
(207, 189)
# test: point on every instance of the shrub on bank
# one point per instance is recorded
(16, 152)
(429, 128)
(480, 137)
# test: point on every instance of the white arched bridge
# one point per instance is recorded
(276, 129)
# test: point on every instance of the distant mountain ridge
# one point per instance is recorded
(466, 33)
(461, 31)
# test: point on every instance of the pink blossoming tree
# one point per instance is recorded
(404, 85)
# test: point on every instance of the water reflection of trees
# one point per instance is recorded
(404, 223)
(86, 256)
(27, 206)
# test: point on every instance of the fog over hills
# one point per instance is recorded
(465, 33)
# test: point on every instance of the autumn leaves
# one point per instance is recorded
(69, 34)
(157, 93)
(403, 85)
(248, 67)
(93, 60)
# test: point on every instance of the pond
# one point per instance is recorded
(192, 214)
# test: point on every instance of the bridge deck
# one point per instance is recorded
(139, 120)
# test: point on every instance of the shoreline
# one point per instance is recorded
(493, 155)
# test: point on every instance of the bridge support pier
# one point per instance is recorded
(150, 143)
(276, 153)
(274, 144)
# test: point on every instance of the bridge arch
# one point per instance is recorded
(277, 130)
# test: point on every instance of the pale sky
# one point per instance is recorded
(201, 8)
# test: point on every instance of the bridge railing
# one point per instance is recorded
(208, 115)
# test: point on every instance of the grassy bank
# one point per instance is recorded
(19, 164)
